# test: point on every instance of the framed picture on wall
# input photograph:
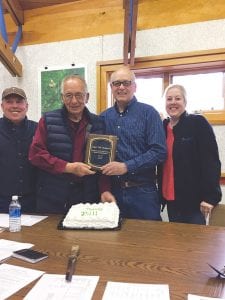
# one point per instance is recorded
(50, 85)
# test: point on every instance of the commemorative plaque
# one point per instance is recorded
(100, 150)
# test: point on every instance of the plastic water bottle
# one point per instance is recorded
(14, 215)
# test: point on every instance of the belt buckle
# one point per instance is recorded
(126, 184)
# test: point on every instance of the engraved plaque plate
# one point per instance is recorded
(100, 150)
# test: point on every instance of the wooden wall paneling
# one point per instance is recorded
(73, 20)
(98, 87)
(133, 31)
(215, 117)
(126, 33)
(7, 57)
(130, 25)
(32, 4)
(161, 13)
(15, 10)
(9, 60)
(79, 19)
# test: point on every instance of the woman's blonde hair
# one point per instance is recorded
(179, 87)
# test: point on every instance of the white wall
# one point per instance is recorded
(173, 39)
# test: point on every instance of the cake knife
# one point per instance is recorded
(72, 262)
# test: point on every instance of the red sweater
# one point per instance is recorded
(168, 172)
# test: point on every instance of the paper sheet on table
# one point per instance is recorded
(29, 220)
(4, 254)
(53, 286)
(195, 297)
(26, 220)
(136, 291)
(7, 247)
(14, 278)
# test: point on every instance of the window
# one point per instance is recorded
(204, 91)
(149, 90)
(201, 73)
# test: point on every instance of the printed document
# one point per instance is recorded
(53, 286)
(136, 291)
(26, 220)
(14, 278)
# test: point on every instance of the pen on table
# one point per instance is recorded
(71, 262)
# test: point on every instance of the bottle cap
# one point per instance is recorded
(15, 197)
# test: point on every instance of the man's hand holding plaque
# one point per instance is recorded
(78, 168)
(114, 168)
(100, 150)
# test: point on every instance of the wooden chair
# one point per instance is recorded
(218, 216)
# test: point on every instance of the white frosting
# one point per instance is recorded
(98, 216)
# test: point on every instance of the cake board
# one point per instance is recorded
(61, 227)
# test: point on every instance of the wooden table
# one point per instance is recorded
(141, 252)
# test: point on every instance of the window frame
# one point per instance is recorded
(168, 65)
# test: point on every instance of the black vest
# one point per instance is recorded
(17, 175)
(56, 193)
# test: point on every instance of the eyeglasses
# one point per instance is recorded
(79, 96)
(125, 83)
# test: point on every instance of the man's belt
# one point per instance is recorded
(128, 184)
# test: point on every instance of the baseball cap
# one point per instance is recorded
(13, 91)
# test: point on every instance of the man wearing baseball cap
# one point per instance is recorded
(17, 175)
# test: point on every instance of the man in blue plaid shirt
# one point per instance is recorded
(141, 146)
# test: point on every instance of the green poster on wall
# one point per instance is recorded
(51, 85)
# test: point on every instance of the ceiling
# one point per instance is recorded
(31, 4)
(16, 10)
